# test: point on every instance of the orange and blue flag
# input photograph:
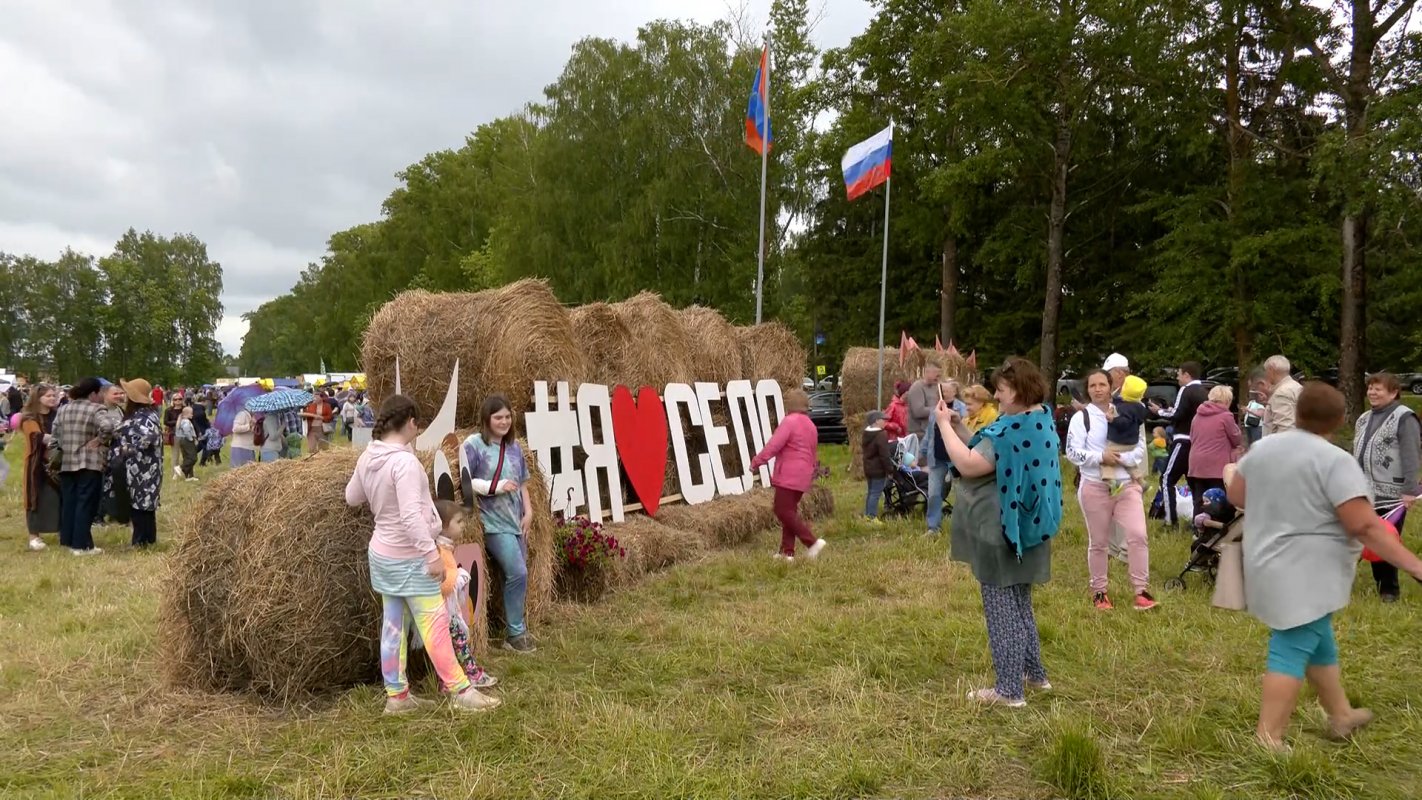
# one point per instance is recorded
(758, 109)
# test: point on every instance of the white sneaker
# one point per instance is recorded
(178, 472)
(1041, 686)
(93, 551)
(783, 557)
(990, 697)
(472, 699)
(403, 705)
(192, 480)
(814, 551)
(37, 544)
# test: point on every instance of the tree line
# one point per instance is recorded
(1173, 179)
(150, 309)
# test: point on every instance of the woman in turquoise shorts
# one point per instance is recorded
(1309, 511)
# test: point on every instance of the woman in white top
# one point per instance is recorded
(244, 446)
(1107, 494)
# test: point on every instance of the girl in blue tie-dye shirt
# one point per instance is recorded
(498, 476)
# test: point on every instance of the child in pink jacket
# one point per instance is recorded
(795, 448)
(405, 565)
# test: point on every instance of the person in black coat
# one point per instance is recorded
(878, 463)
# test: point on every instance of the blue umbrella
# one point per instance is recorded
(279, 400)
(231, 404)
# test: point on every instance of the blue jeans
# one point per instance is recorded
(510, 552)
(937, 488)
(871, 500)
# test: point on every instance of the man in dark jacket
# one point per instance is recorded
(878, 463)
(1192, 395)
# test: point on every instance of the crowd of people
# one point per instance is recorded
(1311, 505)
(94, 453)
(1308, 507)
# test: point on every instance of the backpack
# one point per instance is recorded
(1086, 423)
(259, 433)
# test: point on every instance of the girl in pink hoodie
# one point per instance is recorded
(405, 565)
(795, 448)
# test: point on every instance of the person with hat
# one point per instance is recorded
(140, 438)
(878, 463)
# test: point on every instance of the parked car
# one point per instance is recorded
(828, 416)
(1412, 381)
(829, 383)
(808, 384)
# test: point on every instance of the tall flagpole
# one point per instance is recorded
(764, 164)
(883, 288)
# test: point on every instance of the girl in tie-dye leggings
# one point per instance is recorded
(405, 565)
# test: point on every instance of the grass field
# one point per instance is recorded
(731, 677)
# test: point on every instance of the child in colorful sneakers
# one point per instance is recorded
(455, 590)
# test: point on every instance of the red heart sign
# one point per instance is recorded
(641, 431)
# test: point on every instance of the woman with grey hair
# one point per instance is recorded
(1387, 443)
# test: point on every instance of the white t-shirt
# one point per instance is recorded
(1085, 447)
(1299, 562)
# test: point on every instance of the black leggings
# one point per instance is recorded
(1175, 468)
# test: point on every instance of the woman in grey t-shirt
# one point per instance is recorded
(1309, 512)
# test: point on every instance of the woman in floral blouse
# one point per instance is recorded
(141, 445)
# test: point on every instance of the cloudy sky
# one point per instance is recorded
(264, 126)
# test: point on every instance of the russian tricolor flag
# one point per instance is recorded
(758, 109)
(866, 164)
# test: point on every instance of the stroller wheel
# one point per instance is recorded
(1175, 585)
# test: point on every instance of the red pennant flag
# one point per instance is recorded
(952, 351)
(973, 359)
(903, 347)
(937, 343)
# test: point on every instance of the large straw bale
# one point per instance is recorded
(505, 339)
(771, 350)
(616, 354)
(715, 349)
(664, 354)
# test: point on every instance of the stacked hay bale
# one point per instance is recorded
(504, 340)
(858, 382)
(771, 350)
(663, 352)
(716, 358)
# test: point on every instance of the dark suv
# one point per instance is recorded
(828, 416)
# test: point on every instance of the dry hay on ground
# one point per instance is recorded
(681, 533)
(715, 349)
(665, 353)
(771, 350)
(504, 340)
(859, 375)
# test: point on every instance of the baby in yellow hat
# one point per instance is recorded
(1126, 418)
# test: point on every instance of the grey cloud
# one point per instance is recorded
(264, 127)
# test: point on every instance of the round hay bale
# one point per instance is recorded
(504, 340)
(859, 375)
(197, 590)
(301, 611)
(664, 353)
(727, 521)
(771, 350)
(715, 350)
(614, 352)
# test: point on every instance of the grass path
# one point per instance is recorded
(731, 677)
